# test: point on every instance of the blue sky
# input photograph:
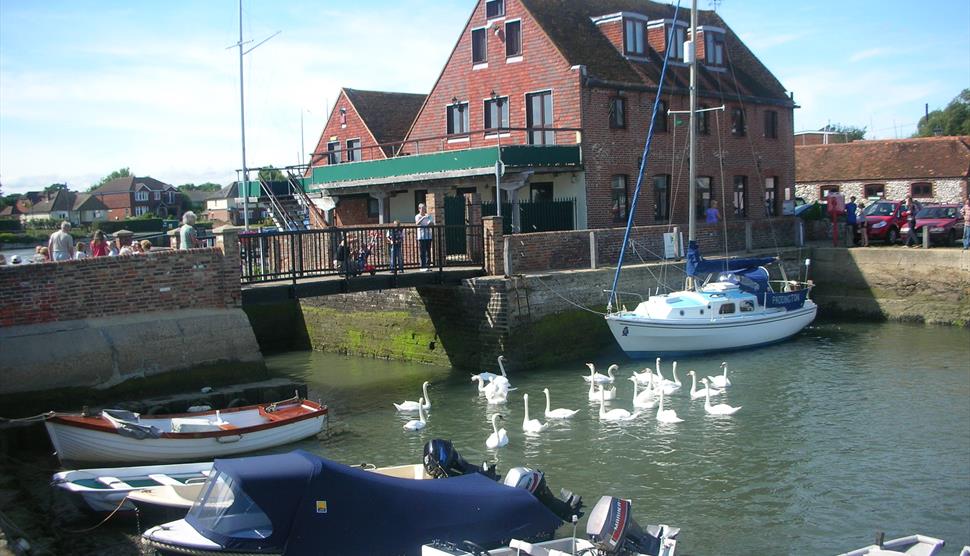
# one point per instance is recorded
(87, 87)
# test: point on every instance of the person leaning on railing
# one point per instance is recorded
(188, 238)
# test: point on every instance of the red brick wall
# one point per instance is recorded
(352, 211)
(354, 129)
(613, 30)
(106, 286)
(542, 68)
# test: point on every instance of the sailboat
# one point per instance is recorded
(726, 303)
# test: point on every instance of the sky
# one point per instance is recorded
(91, 86)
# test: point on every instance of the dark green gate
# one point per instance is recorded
(455, 221)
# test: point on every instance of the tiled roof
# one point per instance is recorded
(63, 200)
(930, 157)
(131, 183)
(387, 115)
(569, 25)
(86, 201)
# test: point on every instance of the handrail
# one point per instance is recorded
(312, 209)
(274, 202)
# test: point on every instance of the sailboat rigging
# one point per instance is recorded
(740, 308)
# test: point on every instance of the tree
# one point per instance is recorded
(55, 187)
(271, 174)
(207, 186)
(119, 173)
(952, 120)
(851, 133)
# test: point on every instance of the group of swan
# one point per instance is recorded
(500, 437)
(494, 387)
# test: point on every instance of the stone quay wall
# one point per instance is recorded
(97, 323)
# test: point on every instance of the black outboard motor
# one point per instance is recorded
(442, 460)
(613, 530)
(535, 482)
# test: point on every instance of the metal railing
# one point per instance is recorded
(349, 252)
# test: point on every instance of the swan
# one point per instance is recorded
(668, 387)
(530, 425)
(608, 394)
(497, 392)
(666, 415)
(413, 406)
(645, 378)
(600, 378)
(481, 384)
(489, 377)
(721, 380)
(695, 393)
(614, 414)
(645, 399)
(719, 409)
(417, 424)
(499, 437)
(559, 413)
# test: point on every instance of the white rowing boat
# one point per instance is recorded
(102, 490)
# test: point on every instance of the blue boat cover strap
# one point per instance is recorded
(317, 506)
(699, 266)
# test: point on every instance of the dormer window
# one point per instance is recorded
(676, 46)
(634, 37)
(494, 8)
(714, 48)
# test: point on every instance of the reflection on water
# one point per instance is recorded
(846, 430)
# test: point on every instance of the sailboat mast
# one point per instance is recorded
(692, 132)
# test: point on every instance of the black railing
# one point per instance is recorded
(350, 252)
(536, 216)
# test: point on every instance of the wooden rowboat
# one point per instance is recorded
(117, 436)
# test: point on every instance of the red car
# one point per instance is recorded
(884, 219)
(943, 221)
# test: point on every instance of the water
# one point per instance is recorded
(846, 430)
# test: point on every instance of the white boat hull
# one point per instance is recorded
(641, 337)
(85, 445)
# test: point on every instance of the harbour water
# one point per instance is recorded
(849, 429)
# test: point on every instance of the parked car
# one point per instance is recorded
(944, 222)
(884, 219)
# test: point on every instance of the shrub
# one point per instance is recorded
(131, 224)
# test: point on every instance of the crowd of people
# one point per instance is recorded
(352, 256)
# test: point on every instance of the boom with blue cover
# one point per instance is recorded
(699, 266)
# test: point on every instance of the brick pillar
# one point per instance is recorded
(173, 239)
(227, 241)
(494, 246)
(434, 201)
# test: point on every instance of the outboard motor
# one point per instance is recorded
(535, 482)
(442, 460)
(613, 530)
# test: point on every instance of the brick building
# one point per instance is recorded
(130, 196)
(559, 95)
(933, 169)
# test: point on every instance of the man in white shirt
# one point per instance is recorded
(61, 244)
(424, 221)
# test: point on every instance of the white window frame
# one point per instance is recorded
(354, 154)
(465, 120)
(505, 28)
(505, 111)
(140, 210)
(158, 195)
(484, 62)
(141, 195)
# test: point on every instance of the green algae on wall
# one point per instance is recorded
(564, 336)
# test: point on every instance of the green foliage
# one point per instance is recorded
(119, 173)
(43, 224)
(150, 224)
(207, 186)
(852, 133)
(54, 187)
(10, 225)
(271, 174)
(952, 120)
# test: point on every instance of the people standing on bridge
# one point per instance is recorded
(80, 251)
(395, 236)
(188, 239)
(424, 221)
(60, 246)
(850, 219)
(912, 207)
(966, 223)
(99, 245)
(860, 218)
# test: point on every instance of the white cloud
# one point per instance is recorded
(870, 53)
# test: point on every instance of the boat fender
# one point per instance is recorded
(229, 439)
(237, 402)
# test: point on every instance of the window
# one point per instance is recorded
(772, 198)
(373, 208)
(538, 108)
(353, 150)
(158, 195)
(676, 46)
(714, 48)
(660, 118)
(513, 39)
(458, 118)
(494, 8)
(419, 197)
(738, 127)
(333, 152)
(877, 190)
(747, 306)
(141, 210)
(479, 46)
(703, 121)
(703, 196)
(661, 197)
(171, 197)
(741, 196)
(343, 116)
(618, 198)
(540, 191)
(141, 195)
(824, 190)
(921, 189)
(633, 41)
(771, 124)
(726, 309)
(497, 113)
(617, 112)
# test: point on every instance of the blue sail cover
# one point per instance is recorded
(699, 266)
(317, 506)
(751, 280)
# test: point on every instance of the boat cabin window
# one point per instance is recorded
(224, 508)
(747, 306)
(727, 309)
